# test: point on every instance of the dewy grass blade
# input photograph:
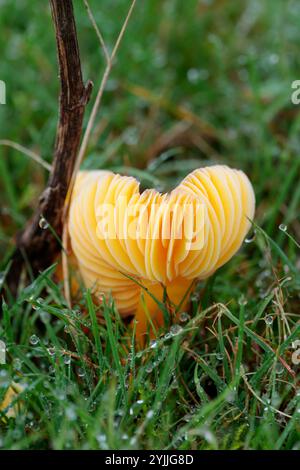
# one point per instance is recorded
(113, 341)
(223, 351)
(95, 329)
(240, 339)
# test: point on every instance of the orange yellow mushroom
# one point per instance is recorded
(163, 241)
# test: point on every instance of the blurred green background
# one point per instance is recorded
(194, 82)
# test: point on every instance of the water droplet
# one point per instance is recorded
(149, 368)
(279, 368)
(67, 329)
(251, 237)
(4, 379)
(17, 364)
(2, 352)
(80, 372)
(195, 298)
(153, 344)
(51, 351)
(283, 227)
(219, 356)
(175, 330)
(133, 441)
(231, 397)
(34, 339)
(243, 300)
(67, 360)
(269, 320)
(45, 316)
(101, 439)
(273, 59)
(187, 417)
(174, 384)
(149, 414)
(193, 75)
(61, 395)
(43, 223)
(140, 402)
(184, 317)
(70, 413)
(168, 335)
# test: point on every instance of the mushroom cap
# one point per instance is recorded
(119, 235)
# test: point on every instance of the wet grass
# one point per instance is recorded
(193, 84)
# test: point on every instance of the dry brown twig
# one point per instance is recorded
(90, 125)
(39, 246)
(34, 245)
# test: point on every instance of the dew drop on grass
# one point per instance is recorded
(193, 75)
(175, 330)
(187, 417)
(269, 320)
(149, 414)
(153, 344)
(101, 439)
(279, 369)
(174, 384)
(34, 339)
(43, 224)
(4, 379)
(2, 352)
(149, 368)
(219, 356)
(17, 364)
(283, 227)
(51, 351)
(251, 237)
(133, 441)
(80, 372)
(67, 360)
(243, 301)
(70, 413)
(184, 317)
(45, 316)
(231, 397)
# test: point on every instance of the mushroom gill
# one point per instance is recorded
(163, 241)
